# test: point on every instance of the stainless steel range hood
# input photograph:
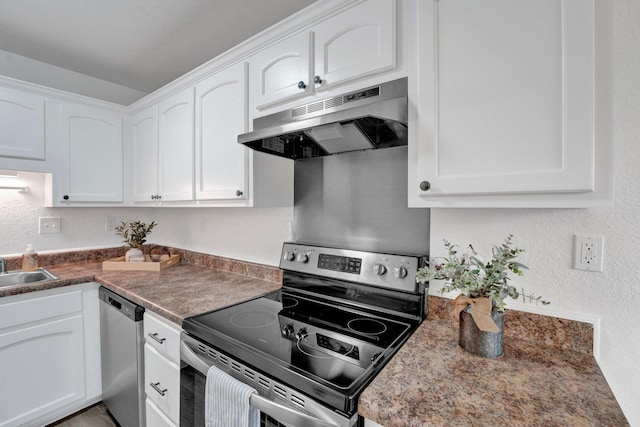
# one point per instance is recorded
(373, 117)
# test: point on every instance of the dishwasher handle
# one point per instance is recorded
(279, 412)
(116, 302)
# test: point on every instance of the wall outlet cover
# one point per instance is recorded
(588, 253)
(50, 224)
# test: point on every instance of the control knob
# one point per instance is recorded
(379, 269)
(302, 258)
(289, 256)
(400, 272)
(287, 331)
(301, 334)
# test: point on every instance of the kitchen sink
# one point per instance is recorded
(19, 277)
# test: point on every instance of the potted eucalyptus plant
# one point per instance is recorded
(134, 234)
(483, 287)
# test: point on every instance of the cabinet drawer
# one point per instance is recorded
(163, 336)
(155, 417)
(165, 377)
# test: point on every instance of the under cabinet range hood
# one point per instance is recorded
(370, 118)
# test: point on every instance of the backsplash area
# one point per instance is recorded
(243, 268)
(541, 330)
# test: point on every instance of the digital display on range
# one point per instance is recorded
(339, 263)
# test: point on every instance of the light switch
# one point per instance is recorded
(50, 224)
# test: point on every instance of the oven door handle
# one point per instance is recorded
(281, 413)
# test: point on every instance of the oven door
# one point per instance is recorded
(279, 404)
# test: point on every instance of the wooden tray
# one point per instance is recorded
(120, 264)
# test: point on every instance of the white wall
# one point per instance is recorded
(243, 233)
(547, 236)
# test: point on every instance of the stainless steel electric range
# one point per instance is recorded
(312, 347)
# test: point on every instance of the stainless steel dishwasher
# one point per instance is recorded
(122, 342)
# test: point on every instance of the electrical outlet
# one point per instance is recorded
(287, 231)
(203, 223)
(49, 224)
(588, 253)
(110, 223)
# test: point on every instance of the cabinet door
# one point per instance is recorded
(506, 98)
(356, 43)
(176, 146)
(222, 114)
(21, 125)
(279, 70)
(42, 368)
(145, 154)
(91, 148)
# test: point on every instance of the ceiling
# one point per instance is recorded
(139, 44)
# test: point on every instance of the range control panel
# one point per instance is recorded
(339, 263)
(386, 270)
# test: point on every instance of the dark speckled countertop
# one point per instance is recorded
(200, 283)
(547, 376)
(431, 381)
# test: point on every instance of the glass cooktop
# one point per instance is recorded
(331, 343)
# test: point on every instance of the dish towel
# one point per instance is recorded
(226, 401)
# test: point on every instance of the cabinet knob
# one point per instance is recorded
(317, 80)
(239, 193)
(65, 197)
(301, 85)
(153, 197)
(425, 185)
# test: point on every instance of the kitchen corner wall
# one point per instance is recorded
(249, 234)
(547, 236)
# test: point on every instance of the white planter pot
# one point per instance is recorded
(134, 255)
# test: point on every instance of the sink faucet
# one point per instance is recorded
(3, 265)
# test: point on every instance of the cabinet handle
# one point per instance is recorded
(425, 185)
(301, 85)
(161, 391)
(153, 197)
(155, 337)
(239, 193)
(317, 80)
(65, 197)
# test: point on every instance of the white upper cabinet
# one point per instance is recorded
(282, 72)
(90, 167)
(505, 98)
(355, 43)
(350, 45)
(144, 151)
(221, 114)
(22, 126)
(175, 120)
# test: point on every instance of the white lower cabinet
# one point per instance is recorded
(49, 354)
(156, 418)
(161, 371)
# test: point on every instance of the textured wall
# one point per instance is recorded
(547, 236)
(250, 234)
